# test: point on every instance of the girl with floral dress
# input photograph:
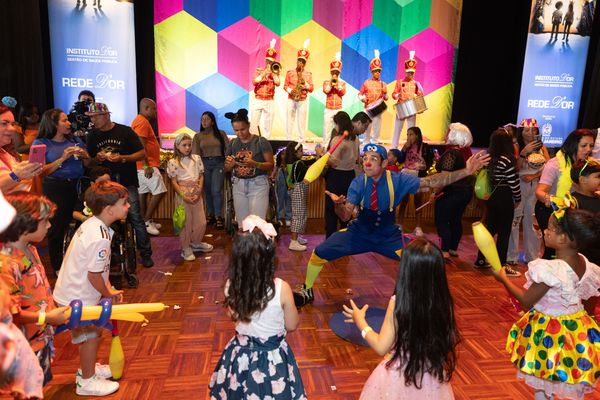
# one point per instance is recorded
(257, 363)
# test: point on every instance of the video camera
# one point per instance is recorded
(79, 121)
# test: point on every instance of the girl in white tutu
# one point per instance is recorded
(418, 336)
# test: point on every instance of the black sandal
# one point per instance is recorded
(210, 220)
(219, 223)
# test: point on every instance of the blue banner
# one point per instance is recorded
(553, 73)
(93, 48)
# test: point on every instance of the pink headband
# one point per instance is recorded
(253, 221)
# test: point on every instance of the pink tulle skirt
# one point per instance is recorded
(388, 383)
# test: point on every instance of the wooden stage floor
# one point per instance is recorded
(173, 357)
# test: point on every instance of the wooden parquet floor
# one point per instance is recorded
(173, 357)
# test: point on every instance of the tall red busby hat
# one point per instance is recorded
(271, 54)
(410, 65)
(303, 53)
(336, 65)
(375, 63)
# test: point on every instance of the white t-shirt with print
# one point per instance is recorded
(89, 251)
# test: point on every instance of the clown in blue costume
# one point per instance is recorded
(374, 228)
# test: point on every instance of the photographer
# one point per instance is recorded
(81, 124)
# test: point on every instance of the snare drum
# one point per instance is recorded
(410, 107)
(376, 108)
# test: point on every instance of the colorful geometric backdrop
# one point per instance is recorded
(207, 52)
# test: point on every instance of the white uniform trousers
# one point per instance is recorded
(328, 125)
(262, 115)
(296, 115)
(399, 125)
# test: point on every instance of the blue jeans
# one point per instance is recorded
(134, 216)
(213, 185)
(284, 202)
(250, 196)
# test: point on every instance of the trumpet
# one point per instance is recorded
(275, 67)
(334, 81)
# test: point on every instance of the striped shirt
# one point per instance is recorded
(505, 174)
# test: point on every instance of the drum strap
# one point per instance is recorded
(390, 184)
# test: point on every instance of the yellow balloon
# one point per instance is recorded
(131, 317)
(93, 312)
(485, 243)
(315, 170)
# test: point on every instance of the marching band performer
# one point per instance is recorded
(265, 80)
(372, 91)
(406, 89)
(298, 83)
(334, 89)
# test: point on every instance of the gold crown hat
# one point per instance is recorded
(410, 65)
(303, 53)
(271, 52)
(336, 64)
(375, 63)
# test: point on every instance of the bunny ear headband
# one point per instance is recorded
(253, 221)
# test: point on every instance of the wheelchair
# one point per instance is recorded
(229, 221)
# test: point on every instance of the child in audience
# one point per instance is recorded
(418, 336)
(554, 345)
(296, 169)
(257, 363)
(20, 373)
(21, 269)
(394, 156)
(586, 174)
(284, 202)
(187, 176)
(84, 276)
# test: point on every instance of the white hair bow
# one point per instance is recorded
(254, 221)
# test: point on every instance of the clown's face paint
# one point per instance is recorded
(373, 164)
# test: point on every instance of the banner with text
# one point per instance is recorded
(93, 48)
(557, 47)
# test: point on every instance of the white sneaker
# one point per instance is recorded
(95, 386)
(295, 246)
(202, 246)
(288, 223)
(188, 257)
(419, 231)
(151, 229)
(101, 371)
(301, 240)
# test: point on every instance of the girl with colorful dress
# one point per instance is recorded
(187, 177)
(418, 336)
(257, 363)
(556, 344)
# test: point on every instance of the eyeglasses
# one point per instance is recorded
(4, 124)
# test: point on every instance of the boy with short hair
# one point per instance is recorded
(84, 276)
(586, 174)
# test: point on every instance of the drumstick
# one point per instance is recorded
(428, 202)
(259, 134)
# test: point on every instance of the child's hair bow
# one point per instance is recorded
(561, 205)
(254, 221)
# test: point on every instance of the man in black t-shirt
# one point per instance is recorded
(118, 147)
